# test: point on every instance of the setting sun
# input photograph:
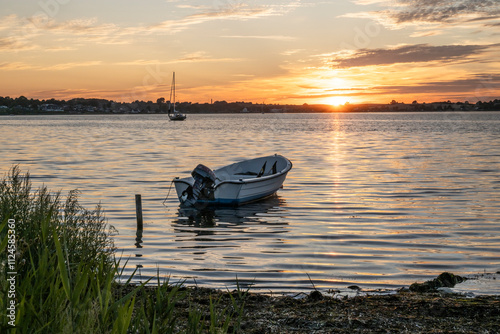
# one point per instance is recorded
(336, 100)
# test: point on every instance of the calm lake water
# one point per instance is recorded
(375, 200)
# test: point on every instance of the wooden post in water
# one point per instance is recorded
(138, 211)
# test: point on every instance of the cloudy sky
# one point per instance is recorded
(269, 51)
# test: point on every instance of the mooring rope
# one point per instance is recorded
(166, 198)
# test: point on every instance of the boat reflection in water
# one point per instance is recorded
(230, 246)
(270, 212)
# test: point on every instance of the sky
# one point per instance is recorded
(273, 51)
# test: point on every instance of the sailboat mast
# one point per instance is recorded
(172, 91)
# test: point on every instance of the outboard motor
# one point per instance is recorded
(204, 179)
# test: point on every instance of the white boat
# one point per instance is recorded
(173, 114)
(235, 184)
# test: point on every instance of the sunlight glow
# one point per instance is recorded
(336, 100)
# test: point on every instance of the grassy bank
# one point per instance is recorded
(58, 273)
(66, 278)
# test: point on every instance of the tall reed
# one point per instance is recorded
(69, 281)
(64, 259)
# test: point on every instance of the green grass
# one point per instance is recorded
(69, 281)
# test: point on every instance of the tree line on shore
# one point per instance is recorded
(23, 105)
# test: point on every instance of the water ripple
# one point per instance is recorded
(376, 200)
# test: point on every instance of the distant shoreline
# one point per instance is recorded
(248, 113)
(24, 106)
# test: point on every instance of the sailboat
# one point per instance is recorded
(173, 114)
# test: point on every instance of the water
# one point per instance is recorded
(375, 200)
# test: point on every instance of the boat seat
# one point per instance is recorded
(247, 173)
(262, 171)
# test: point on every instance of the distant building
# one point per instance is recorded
(47, 107)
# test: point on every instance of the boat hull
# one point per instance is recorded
(177, 117)
(236, 187)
